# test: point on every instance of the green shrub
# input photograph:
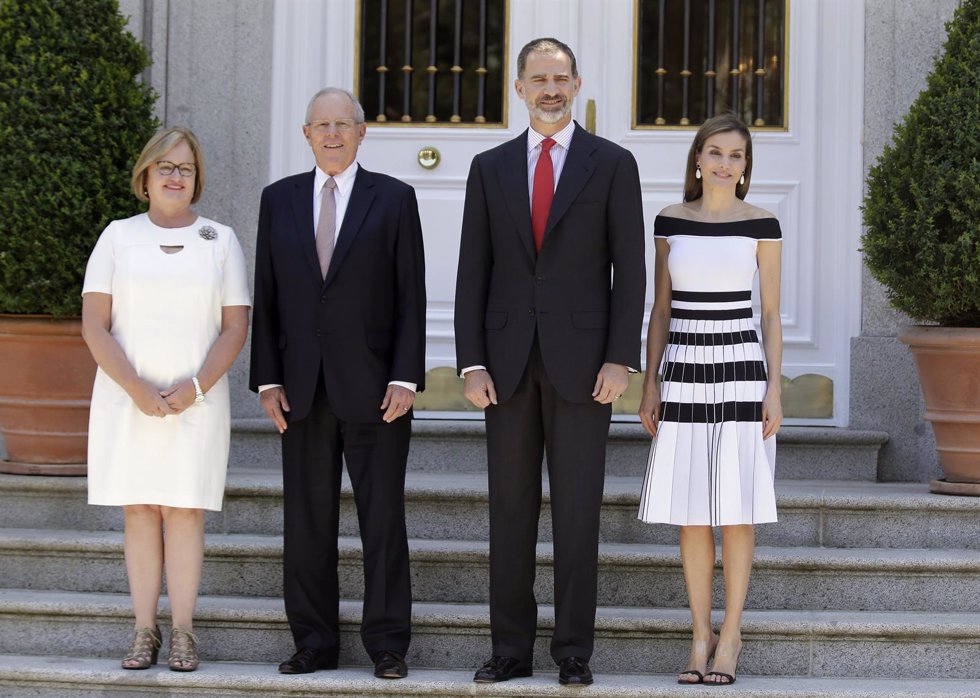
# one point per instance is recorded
(73, 118)
(922, 209)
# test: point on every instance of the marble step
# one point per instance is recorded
(836, 514)
(459, 446)
(79, 677)
(897, 645)
(635, 575)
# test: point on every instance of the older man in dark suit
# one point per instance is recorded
(545, 336)
(338, 347)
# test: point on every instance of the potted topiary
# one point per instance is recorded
(73, 118)
(922, 241)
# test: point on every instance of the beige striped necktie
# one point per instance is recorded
(326, 226)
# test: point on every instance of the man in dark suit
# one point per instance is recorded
(545, 336)
(338, 347)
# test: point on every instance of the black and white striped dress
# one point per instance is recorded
(708, 464)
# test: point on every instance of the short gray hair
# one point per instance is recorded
(358, 109)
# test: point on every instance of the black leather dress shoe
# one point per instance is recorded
(572, 670)
(390, 665)
(501, 669)
(307, 660)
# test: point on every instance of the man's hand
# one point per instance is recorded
(275, 404)
(478, 389)
(398, 401)
(611, 383)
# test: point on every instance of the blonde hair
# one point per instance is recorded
(723, 123)
(159, 145)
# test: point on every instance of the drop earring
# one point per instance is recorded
(741, 180)
(697, 172)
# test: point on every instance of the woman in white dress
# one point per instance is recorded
(164, 313)
(715, 414)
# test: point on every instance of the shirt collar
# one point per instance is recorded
(562, 138)
(344, 180)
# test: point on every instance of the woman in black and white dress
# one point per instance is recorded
(718, 408)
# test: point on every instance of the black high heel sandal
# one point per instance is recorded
(729, 679)
(695, 644)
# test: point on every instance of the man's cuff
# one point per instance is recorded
(472, 368)
(263, 388)
(404, 384)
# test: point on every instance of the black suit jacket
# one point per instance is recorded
(583, 314)
(365, 323)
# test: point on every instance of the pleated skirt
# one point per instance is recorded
(709, 465)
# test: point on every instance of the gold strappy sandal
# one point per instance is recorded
(183, 650)
(145, 649)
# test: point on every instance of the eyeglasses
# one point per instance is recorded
(342, 125)
(166, 168)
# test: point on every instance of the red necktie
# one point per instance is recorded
(543, 191)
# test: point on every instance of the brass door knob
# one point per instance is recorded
(429, 157)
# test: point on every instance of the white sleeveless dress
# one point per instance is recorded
(166, 314)
(709, 465)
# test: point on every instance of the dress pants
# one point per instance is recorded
(534, 421)
(313, 450)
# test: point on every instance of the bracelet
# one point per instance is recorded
(198, 393)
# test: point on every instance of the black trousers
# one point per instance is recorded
(534, 421)
(313, 450)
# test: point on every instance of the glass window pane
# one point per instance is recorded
(433, 61)
(698, 58)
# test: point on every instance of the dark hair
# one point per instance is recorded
(544, 45)
(723, 123)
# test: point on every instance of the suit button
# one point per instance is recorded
(539, 279)
(530, 311)
(323, 299)
(318, 333)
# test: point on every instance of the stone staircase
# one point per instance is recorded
(862, 589)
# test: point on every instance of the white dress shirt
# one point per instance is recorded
(345, 185)
(558, 152)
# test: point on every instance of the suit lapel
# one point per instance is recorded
(362, 194)
(578, 167)
(303, 210)
(512, 177)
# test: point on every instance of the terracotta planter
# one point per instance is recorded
(45, 390)
(948, 360)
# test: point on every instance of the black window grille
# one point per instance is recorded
(699, 58)
(433, 61)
